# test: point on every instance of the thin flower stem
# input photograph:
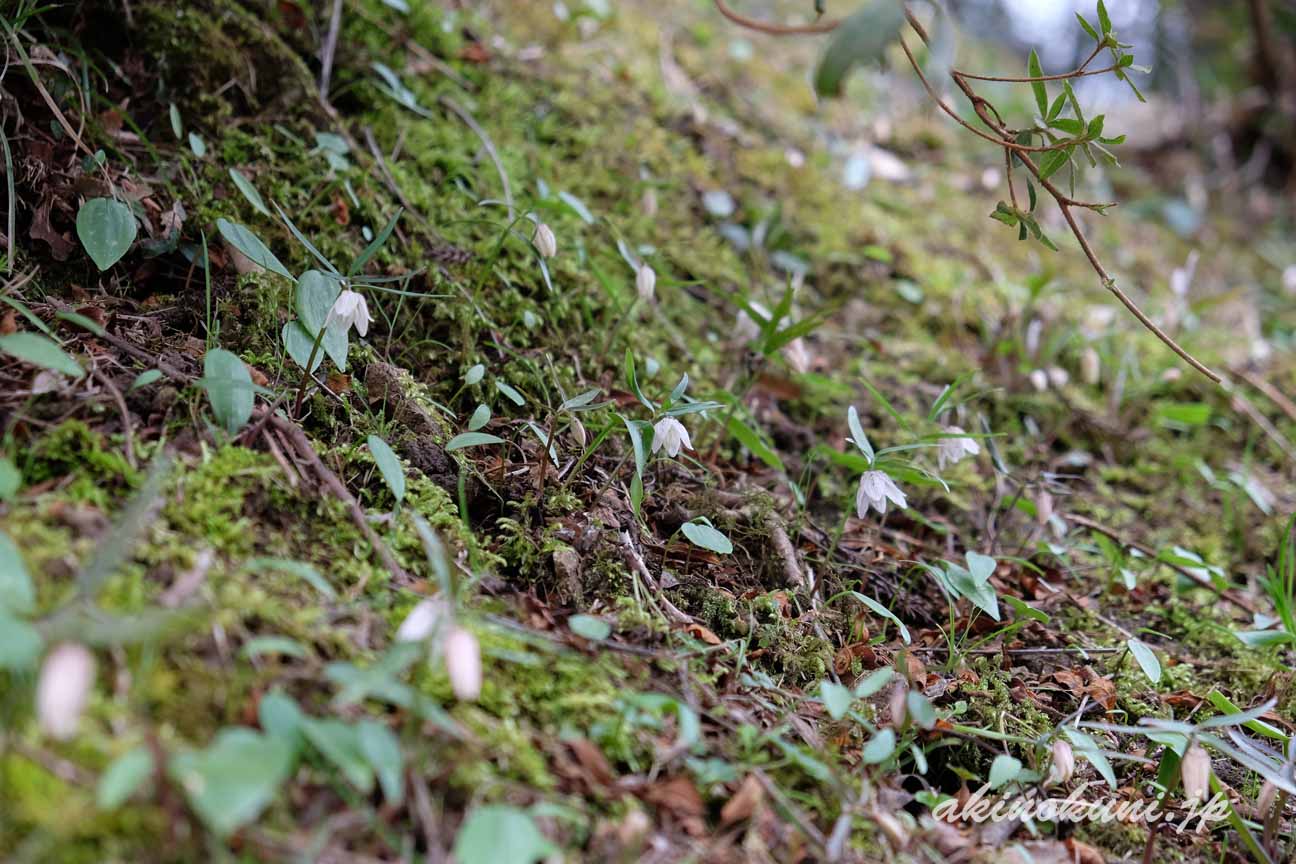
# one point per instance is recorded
(306, 373)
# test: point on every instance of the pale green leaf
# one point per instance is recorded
(107, 229)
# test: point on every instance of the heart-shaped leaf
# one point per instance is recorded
(313, 299)
(106, 229)
(229, 389)
(499, 834)
(233, 780)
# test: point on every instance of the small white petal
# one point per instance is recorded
(463, 663)
(66, 677)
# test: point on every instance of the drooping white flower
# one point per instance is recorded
(645, 282)
(670, 434)
(422, 621)
(1196, 771)
(1063, 764)
(951, 450)
(349, 310)
(463, 663)
(1058, 377)
(545, 241)
(1039, 379)
(875, 488)
(797, 355)
(66, 677)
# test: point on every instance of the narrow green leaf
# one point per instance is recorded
(1147, 660)
(1034, 70)
(479, 418)
(17, 591)
(40, 351)
(389, 466)
(472, 439)
(251, 246)
(750, 439)
(249, 191)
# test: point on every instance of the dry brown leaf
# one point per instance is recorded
(679, 797)
(703, 633)
(744, 802)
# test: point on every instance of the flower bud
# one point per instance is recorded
(899, 696)
(1265, 801)
(64, 688)
(645, 282)
(1091, 367)
(1196, 772)
(1058, 377)
(544, 241)
(463, 663)
(1039, 380)
(422, 621)
(1063, 762)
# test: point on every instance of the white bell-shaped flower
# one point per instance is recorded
(349, 310)
(670, 434)
(875, 489)
(952, 449)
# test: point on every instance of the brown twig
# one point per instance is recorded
(776, 29)
(301, 445)
(128, 436)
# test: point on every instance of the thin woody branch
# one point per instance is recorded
(1001, 136)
